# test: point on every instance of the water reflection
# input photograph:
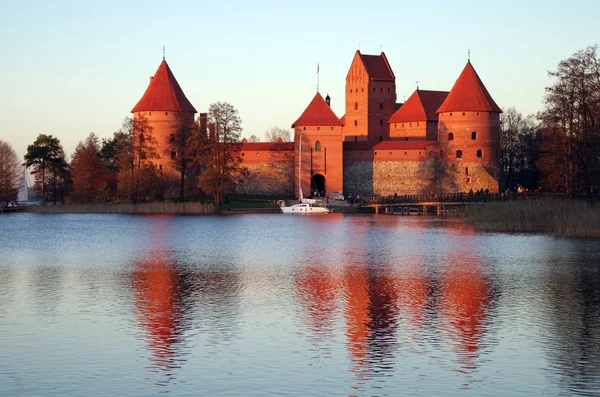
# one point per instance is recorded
(464, 300)
(573, 339)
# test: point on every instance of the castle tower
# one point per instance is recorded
(417, 120)
(370, 98)
(319, 161)
(164, 105)
(469, 133)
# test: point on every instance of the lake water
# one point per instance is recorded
(270, 305)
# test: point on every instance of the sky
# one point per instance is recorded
(68, 68)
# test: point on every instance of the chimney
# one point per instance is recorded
(151, 78)
(211, 129)
(203, 123)
(328, 100)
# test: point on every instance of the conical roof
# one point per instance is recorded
(420, 106)
(469, 95)
(163, 93)
(317, 113)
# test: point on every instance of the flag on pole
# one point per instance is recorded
(317, 67)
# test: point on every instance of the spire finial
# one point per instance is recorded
(163, 53)
(359, 46)
(417, 84)
(469, 56)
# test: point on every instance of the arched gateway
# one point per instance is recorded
(318, 184)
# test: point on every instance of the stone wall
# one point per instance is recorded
(268, 178)
(383, 178)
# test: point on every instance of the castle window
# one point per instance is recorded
(351, 90)
(243, 154)
(431, 154)
(355, 105)
(441, 153)
(331, 128)
(450, 114)
(173, 155)
(381, 90)
(459, 154)
(479, 153)
(419, 153)
(373, 89)
(355, 123)
(160, 167)
(402, 125)
(318, 146)
(380, 122)
(166, 113)
(388, 90)
(405, 153)
(450, 136)
(406, 139)
(355, 139)
(150, 114)
(478, 113)
(417, 123)
(410, 124)
(304, 128)
(473, 135)
(390, 153)
(463, 113)
(468, 180)
(467, 171)
(318, 128)
(380, 138)
(381, 106)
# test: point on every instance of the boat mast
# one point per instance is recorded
(300, 168)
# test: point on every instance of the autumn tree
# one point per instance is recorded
(253, 138)
(438, 172)
(87, 170)
(183, 130)
(46, 156)
(570, 134)
(10, 172)
(218, 153)
(136, 150)
(519, 149)
(273, 134)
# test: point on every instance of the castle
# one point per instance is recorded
(436, 141)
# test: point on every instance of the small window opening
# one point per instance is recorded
(473, 135)
(467, 171)
(373, 89)
(355, 105)
(380, 105)
(380, 122)
(380, 138)
(479, 153)
(459, 154)
(173, 155)
(318, 146)
(166, 113)
(355, 123)
(450, 136)
(318, 128)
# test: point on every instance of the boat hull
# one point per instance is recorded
(303, 209)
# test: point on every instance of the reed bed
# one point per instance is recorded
(140, 208)
(562, 218)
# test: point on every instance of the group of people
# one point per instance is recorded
(353, 198)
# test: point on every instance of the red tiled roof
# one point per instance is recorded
(343, 119)
(469, 95)
(421, 106)
(317, 113)
(163, 93)
(268, 146)
(378, 67)
(404, 145)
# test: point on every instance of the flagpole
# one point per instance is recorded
(317, 76)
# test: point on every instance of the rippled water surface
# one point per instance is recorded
(264, 305)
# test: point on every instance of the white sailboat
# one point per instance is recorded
(23, 196)
(303, 206)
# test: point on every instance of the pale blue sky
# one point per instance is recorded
(68, 68)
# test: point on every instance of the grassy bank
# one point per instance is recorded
(143, 208)
(564, 218)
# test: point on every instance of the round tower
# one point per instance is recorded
(165, 106)
(469, 134)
